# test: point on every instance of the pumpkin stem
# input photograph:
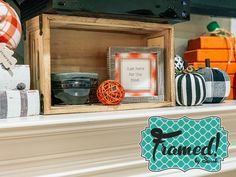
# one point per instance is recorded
(208, 62)
(185, 64)
(189, 69)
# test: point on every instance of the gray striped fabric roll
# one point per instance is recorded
(190, 89)
(217, 84)
(14, 103)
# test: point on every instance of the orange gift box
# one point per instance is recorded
(229, 68)
(218, 55)
(210, 42)
(218, 50)
(232, 94)
(233, 80)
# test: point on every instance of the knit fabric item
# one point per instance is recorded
(217, 84)
(10, 26)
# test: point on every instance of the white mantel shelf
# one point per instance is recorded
(103, 116)
(96, 144)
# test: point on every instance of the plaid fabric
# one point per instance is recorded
(217, 84)
(10, 26)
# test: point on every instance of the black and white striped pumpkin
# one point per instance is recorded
(190, 89)
(217, 83)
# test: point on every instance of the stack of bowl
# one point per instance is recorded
(74, 88)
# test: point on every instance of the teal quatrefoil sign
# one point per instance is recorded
(184, 144)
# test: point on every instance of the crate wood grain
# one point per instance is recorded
(56, 43)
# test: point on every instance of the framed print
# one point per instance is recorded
(140, 71)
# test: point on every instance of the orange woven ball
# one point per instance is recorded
(110, 93)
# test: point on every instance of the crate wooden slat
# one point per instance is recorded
(56, 43)
(101, 108)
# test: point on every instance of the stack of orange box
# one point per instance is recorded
(218, 50)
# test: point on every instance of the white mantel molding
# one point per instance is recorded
(103, 144)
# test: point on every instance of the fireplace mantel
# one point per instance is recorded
(103, 144)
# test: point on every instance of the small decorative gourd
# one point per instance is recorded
(217, 83)
(179, 63)
(190, 88)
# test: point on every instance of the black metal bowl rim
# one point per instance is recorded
(73, 76)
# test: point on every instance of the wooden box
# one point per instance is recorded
(56, 43)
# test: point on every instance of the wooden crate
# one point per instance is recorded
(56, 43)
